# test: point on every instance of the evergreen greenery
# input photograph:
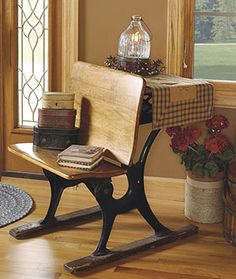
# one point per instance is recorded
(218, 24)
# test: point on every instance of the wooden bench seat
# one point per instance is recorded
(47, 159)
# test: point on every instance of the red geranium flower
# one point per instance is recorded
(192, 134)
(217, 143)
(171, 131)
(203, 156)
(179, 142)
(217, 122)
(181, 139)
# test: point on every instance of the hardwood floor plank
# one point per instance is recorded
(204, 256)
(148, 273)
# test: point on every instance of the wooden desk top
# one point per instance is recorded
(179, 101)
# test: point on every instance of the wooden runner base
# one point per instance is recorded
(91, 262)
(73, 218)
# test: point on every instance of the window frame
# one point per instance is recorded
(63, 34)
(180, 50)
(64, 20)
(1, 90)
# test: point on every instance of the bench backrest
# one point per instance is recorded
(108, 104)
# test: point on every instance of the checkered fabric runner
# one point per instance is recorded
(169, 110)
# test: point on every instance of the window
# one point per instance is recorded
(27, 27)
(186, 37)
(32, 58)
(215, 39)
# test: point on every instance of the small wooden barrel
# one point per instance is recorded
(58, 100)
(56, 118)
(231, 179)
(51, 138)
(229, 220)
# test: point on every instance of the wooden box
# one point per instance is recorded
(58, 100)
(56, 118)
(51, 138)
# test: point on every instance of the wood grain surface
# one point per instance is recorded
(47, 159)
(108, 104)
(204, 256)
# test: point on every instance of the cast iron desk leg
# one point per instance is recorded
(51, 222)
(135, 197)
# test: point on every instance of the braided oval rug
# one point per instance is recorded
(14, 204)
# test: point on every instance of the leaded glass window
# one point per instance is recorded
(32, 58)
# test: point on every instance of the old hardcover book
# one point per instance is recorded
(81, 153)
(112, 161)
(110, 158)
(79, 165)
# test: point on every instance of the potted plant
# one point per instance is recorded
(206, 158)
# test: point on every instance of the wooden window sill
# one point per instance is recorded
(21, 130)
(225, 93)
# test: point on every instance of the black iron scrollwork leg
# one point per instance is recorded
(57, 189)
(51, 222)
(57, 185)
(135, 197)
(102, 189)
(108, 220)
(136, 183)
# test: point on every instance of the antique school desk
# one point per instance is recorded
(111, 105)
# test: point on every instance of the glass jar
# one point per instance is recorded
(135, 40)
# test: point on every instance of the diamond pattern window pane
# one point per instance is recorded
(32, 58)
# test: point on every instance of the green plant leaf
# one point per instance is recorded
(227, 155)
(198, 170)
(212, 168)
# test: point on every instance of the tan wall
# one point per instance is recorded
(163, 162)
(101, 22)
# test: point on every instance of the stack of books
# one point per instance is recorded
(83, 157)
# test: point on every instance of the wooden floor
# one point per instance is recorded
(203, 256)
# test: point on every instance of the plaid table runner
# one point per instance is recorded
(178, 101)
